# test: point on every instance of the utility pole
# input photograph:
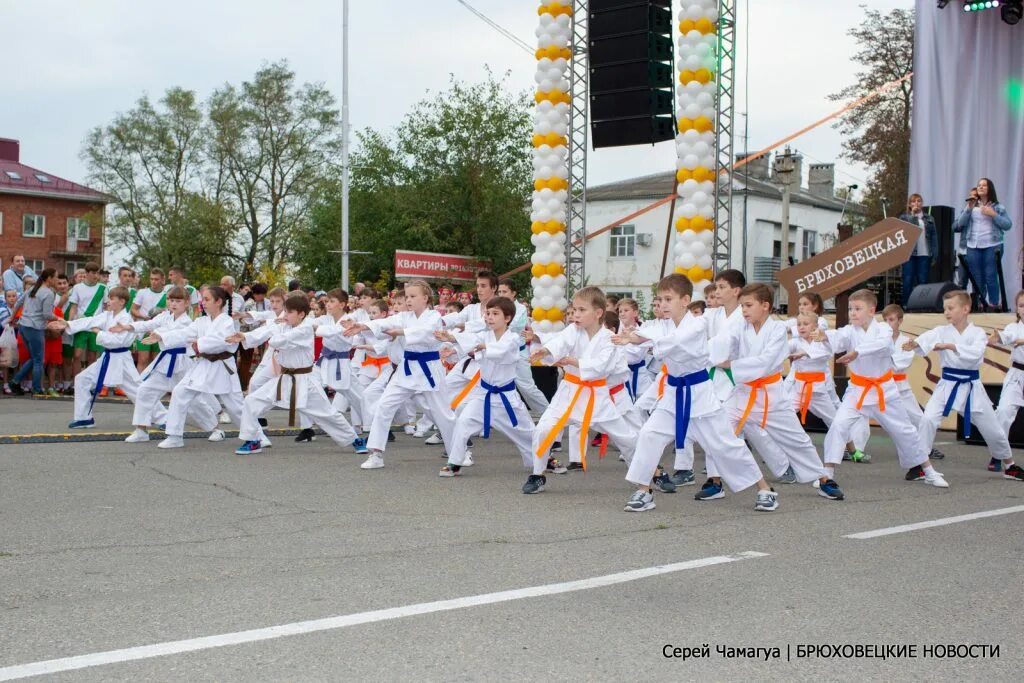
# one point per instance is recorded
(784, 172)
(344, 146)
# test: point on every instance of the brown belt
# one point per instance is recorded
(222, 356)
(293, 397)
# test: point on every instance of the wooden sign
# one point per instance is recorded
(884, 245)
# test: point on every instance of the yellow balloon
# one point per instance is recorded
(702, 75)
(695, 274)
(685, 124)
(682, 175)
(704, 25)
(700, 174)
(708, 274)
(698, 223)
(683, 223)
(540, 314)
(702, 124)
(553, 227)
(537, 270)
(554, 269)
(679, 271)
(685, 76)
(536, 227)
(686, 25)
(554, 315)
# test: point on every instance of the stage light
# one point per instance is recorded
(1011, 12)
(970, 6)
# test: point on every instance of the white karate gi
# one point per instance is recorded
(824, 400)
(471, 318)
(525, 383)
(901, 361)
(1011, 399)
(120, 371)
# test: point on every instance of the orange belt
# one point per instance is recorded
(869, 383)
(542, 450)
(809, 379)
(755, 386)
(466, 389)
(661, 381)
(379, 361)
(899, 376)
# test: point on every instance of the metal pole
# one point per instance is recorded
(344, 146)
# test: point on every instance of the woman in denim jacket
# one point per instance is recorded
(917, 269)
(981, 226)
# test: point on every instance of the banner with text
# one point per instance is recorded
(424, 265)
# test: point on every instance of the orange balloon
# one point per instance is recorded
(682, 175)
(554, 269)
(698, 223)
(702, 75)
(540, 184)
(702, 124)
(536, 227)
(683, 223)
(554, 315)
(685, 76)
(700, 174)
(540, 314)
(686, 25)
(554, 226)
(537, 270)
(685, 124)
(704, 25)
(695, 274)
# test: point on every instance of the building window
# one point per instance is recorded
(623, 241)
(35, 264)
(78, 229)
(71, 266)
(810, 244)
(33, 225)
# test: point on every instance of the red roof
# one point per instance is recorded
(17, 178)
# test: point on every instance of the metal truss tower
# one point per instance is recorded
(725, 125)
(579, 75)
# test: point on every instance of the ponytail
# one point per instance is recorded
(45, 275)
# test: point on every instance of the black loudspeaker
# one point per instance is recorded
(928, 298)
(631, 77)
(1016, 429)
(945, 264)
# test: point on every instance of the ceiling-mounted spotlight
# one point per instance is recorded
(1012, 11)
(942, 3)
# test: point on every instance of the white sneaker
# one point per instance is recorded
(937, 480)
(224, 419)
(373, 462)
(172, 442)
(216, 435)
(138, 436)
(468, 460)
(265, 442)
(434, 439)
(419, 433)
(410, 430)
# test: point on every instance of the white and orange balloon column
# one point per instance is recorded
(697, 59)
(551, 165)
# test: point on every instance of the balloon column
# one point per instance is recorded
(695, 143)
(550, 165)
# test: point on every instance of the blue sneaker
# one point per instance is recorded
(161, 427)
(830, 490)
(663, 483)
(82, 424)
(683, 478)
(360, 445)
(710, 491)
(788, 477)
(249, 448)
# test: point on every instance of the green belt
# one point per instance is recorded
(728, 373)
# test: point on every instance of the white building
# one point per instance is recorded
(627, 260)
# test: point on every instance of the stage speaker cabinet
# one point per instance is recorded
(631, 77)
(945, 264)
(928, 298)
(1016, 429)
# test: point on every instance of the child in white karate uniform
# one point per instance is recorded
(866, 345)
(213, 373)
(376, 368)
(585, 350)
(419, 374)
(687, 406)
(492, 401)
(114, 367)
(962, 351)
(296, 386)
(1012, 397)
(335, 367)
(637, 355)
(534, 397)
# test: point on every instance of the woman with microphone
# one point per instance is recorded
(982, 224)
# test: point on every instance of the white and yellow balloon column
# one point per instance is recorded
(697, 56)
(551, 165)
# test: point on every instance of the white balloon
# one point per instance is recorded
(546, 302)
(686, 260)
(699, 198)
(543, 326)
(688, 210)
(562, 303)
(697, 248)
(691, 161)
(692, 62)
(704, 262)
(545, 280)
(692, 111)
(537, 258)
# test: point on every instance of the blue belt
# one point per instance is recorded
(421, 357)
(102, 376)
(328, 354)
(166, 353)
(684, 400)
(633, 384)
(500, 391)
(960, 377)
(523, 347)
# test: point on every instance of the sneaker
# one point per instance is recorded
(767, 501)
(596, 441)
(995, 465)
(556, 447)
(216, 435)
(663, 483)
(710, 491)
(434, 439)
(418, 433)
(937, 480)
(265, 442)
(1014, 472)
(15, 388)
(7, 390)
(788, 477)
(556, 467)
(249, 448)
(224, 419)
(70, 391)
(360, 445)
(640, 501)
(138, 436)
(263, 421)
(373, 462)
(52, 393)
(305, 436)
(450, 471)
(172, 442)
(391, 436)
(683, 478)
(82, 424)
(936, 454)
(410, 430)
(860, 456)
(40, 395)
(534, 483)
(829, 489)
(574, 467)
(915, 473)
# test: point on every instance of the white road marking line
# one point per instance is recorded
(51, 666)
(935, 522)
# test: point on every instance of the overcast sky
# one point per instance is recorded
(72, 65)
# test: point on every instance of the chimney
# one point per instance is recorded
(822, 180)
(9, 150)
(758, 168)
(798, 169)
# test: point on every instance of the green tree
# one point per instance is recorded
(454, 177)
(877, 133)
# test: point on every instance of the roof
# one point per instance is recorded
(661, 185)
(31, 181)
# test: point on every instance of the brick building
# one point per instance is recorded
(54, 222)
